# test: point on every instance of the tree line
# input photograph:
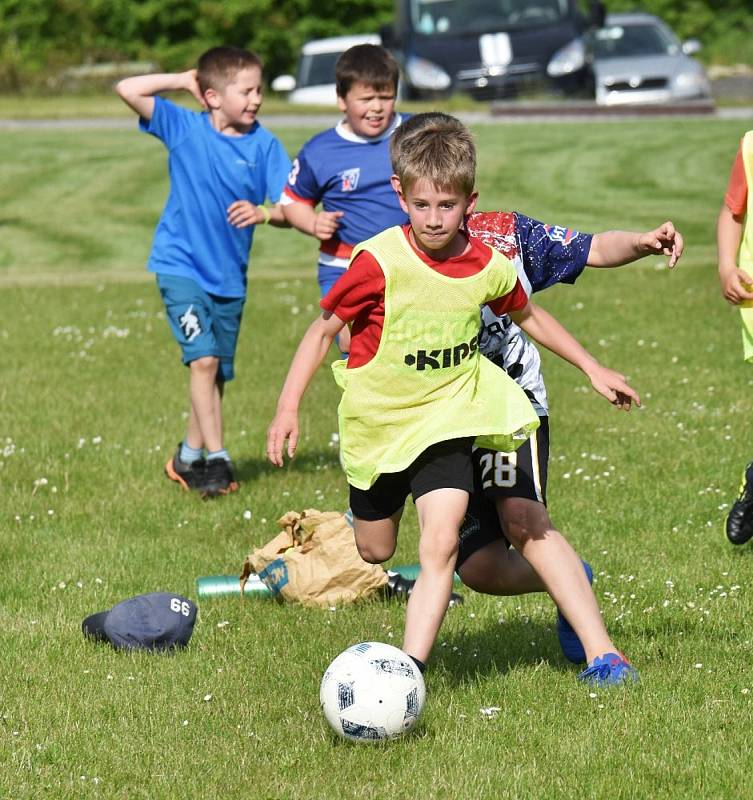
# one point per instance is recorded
(39, 39)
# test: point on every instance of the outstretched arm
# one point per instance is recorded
(544, 328)
(615, 248)
(138, 92)
(309, 355)
(735, 282)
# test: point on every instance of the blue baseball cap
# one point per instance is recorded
(155, 621)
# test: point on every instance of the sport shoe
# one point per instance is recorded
(572, 649)
(218, 479)
(739, 525)
(189, 476)
(400, 588)
(611, 669)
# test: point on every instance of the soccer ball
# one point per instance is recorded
(372, 691)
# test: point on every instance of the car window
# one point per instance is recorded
(619, 41)
(453, 17)
(316, 69)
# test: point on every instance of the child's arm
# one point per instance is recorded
(321, 224)
(544, 328)
(729, 232)
(615, 248)
(243, 213)
(309, 355)
(138, 92)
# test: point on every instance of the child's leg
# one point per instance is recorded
(498, 569)
(376, 539)
(327, 276)
(376, 516)
(528, 527)
(440, 514)
(205, 418)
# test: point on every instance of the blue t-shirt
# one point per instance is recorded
(349, 173)
(209, 171)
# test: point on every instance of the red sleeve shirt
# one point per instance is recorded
(736, 198)
(358, 295)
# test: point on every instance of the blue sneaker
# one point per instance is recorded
(611, 669)
(572, 649)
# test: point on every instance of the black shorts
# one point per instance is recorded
(445, 465)
(522, 473)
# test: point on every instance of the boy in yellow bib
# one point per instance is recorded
(416, 393)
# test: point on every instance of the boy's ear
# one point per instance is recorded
(396, 185)
(470, 205)
(341, 104)
(211, 98)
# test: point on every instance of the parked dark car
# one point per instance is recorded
(492, 48)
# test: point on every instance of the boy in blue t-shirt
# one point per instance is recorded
(347, 168)
(222, 165)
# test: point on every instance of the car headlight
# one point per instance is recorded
(695, 81)
(567, 59)
(425, 74)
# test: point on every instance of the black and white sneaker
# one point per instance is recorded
(219, 478)
(189, 476)
(400, 588)
(739, 525)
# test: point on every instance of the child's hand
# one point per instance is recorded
(664, 240)
(326, 224)
(241, 214)
(736, 286)
(613, 386)
(284, 426)
(192, 86)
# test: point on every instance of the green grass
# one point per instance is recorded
(109, 106)
(91, 404)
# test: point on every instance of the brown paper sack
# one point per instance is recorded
(314, 561)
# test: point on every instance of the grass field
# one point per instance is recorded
(91, 404)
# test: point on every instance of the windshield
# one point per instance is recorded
(316, 69)
(448, 17)
(619, 41)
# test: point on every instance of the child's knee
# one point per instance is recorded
(524, 521)
(375, 552)
(438, 546)
(205, 364)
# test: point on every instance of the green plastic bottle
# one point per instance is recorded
(410, 572)
(218, 585)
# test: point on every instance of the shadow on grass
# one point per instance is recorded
(496, 651)
(248, 470)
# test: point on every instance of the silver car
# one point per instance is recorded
(638, 59)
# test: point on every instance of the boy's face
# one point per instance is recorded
(436, 216)
(238, 103)
(368, 110)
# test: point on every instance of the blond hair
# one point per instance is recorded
(437, 148)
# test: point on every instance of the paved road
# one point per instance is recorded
(504, 117)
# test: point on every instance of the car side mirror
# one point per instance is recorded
(283, 83)
(691, 47)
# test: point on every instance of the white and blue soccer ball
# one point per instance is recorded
(372, 691)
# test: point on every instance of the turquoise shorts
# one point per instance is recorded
(203, 324)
